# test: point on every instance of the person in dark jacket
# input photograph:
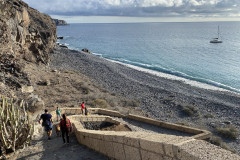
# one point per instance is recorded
(47, 123)
(65, 126)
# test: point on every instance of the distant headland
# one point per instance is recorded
(59, 22)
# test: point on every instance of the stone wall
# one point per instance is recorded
(123, 145)
(148, 146)
(197, 133)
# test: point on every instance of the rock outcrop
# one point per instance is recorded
(25, 32)
(59, 22)
(26, 36)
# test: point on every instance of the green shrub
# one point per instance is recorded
(230, 132)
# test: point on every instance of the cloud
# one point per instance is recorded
(137, 8)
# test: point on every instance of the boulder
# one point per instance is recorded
(86, 50)
(35, 103)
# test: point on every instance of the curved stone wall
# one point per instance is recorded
(145, 146)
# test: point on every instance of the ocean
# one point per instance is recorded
(177, 49)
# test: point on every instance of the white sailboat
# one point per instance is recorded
(216, 40)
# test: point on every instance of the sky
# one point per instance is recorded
(117, 11)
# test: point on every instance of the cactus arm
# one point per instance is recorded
(16, 130)
(2, 137)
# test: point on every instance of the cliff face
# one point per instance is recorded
(25, 33)
(59, 22)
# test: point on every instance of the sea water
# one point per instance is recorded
(177, 49)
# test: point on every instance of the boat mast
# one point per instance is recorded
(218, 31)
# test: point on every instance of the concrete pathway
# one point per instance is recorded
(54, 149)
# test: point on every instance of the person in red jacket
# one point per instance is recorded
(65, 126)
(82, 107)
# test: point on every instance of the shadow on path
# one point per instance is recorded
(54, 149)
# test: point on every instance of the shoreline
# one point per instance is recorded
(176, 78)
(193, 82)
(163, 77)
(160, 97)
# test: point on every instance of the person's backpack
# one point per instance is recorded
(67, 126)
(46, 123)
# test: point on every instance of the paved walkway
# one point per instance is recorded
(54, 149)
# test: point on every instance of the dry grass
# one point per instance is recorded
(183, 123)
(208, 115)
(85, 89)
(167, 99)
(69, 88)
(69, 72)
(190, 110)
(218, 141)
(230, 132)
(100, 103)
(131, 103)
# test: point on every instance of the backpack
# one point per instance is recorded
(46, 123)
(66, 126)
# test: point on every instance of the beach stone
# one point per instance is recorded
(227, 122)
(86, 50)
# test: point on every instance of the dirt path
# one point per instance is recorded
(54, 149)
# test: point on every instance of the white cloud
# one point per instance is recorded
(137, 8)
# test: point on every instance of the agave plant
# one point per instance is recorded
(16, 130)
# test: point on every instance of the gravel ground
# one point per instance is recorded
(161, 98)
(144, 127)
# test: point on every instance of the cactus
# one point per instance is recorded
(16, 130)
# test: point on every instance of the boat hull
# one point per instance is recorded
(215, 41)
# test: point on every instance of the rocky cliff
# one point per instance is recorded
(59, 22)
(25, 33)
(26, 36)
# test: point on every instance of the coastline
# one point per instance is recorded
(193, 81)
(176, 78)
(160, 97)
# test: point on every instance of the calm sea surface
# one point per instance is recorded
(180, 49)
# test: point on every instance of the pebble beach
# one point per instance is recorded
(162, 98)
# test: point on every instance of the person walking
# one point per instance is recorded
(47, 123)
(65, 126)
(82, 107)
(58, 112)
(86, 111)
